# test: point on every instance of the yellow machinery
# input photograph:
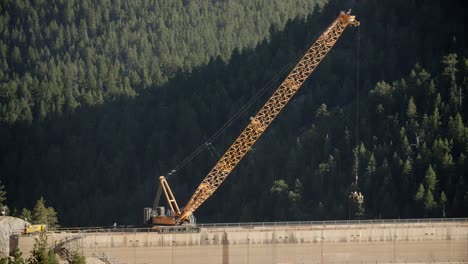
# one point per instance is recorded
(258, 124)
(32, 229)
(356, 197)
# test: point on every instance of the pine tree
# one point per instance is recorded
(447, 163)
(40, 212)
(360, 211)
(429, 203)
(406, 176)
(443, 200)
(411, 111)
(407, 169)
(26, 215)
(298, 188)
(82, 53)
(17, 258)
(279, 186)
(296, 195)
(450, 61)
(405, 147)
(456, 128)
(52, 220)
(3, 194)
(41, 254)
(420, 193)
(44, 215)
(371, 165)
(322, 111)
(430, 180)
(16, 56)
(435, 119)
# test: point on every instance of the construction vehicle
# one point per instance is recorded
(257, 126)
(33, 229)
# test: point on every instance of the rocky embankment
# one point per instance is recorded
(9, 225)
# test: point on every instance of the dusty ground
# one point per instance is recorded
(8, 226)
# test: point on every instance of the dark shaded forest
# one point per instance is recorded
(90, 119)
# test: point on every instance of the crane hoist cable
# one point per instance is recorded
(208, 143)
(269, 111)
(355, 195)
(214, 154)
(228, 123)
(261, 121)
(269, 85)
(357, 110)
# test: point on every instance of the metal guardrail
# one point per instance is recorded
(337, 222)
(122, 229)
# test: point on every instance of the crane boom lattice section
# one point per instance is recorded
(268, 113)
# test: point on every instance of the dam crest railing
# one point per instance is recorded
(326, 223)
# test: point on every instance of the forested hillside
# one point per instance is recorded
(98, 161)
(57, 55)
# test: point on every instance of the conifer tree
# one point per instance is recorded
(456, 128)
(450, 61)
(420, 193)
(44, 215)
(279, 186)
(17, 258)
(26, 215)
(40, 212)
(407, 169)
(41, 253)
(3, 194)
(430, 180)
(429, 203)
(67, 73)
(411, 111)
(406, 176)
(443, 200)
(371, 165)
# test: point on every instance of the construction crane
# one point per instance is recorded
(257, 126)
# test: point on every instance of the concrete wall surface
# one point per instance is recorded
(360, 243)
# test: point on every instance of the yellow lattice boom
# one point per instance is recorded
(260, 122)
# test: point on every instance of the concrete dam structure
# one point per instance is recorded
(370, 241)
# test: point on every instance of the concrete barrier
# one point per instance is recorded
(331, 243)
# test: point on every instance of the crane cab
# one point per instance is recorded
(159, 217)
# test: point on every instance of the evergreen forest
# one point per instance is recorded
(99, 98)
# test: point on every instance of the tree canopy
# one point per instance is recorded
(96, 102)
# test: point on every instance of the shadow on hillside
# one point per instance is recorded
(99, 164)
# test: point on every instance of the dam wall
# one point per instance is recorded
(279, 243)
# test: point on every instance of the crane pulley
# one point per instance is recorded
(258, 123)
